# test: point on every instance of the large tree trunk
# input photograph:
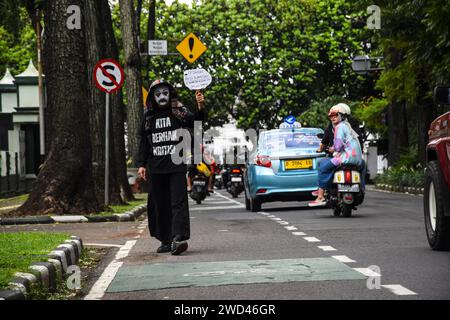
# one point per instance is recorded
(150, 34)
(133, 82)
(118, 110)
(64, 184)
(97, 50)
(426, 110)
(397, 119)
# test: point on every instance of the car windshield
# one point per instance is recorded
(280, 140)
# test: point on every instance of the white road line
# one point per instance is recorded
(264, 213)
(399, 290)
(284, 223)
(343, 259)
(215, 208)
(103, 245)
(99, 288)
(327, 248)
(291, 228)
(231, 200)
(367, 272)
(276, 219)
(299, 233)
(271, 216)
(311, 239)
(223, 230)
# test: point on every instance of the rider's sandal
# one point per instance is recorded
(317, 203)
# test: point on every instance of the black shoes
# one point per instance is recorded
(164, 247)
(179, 247)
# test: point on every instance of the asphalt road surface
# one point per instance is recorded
(287, 251)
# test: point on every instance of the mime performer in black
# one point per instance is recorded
(168, 210)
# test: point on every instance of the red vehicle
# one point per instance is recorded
(437, 178)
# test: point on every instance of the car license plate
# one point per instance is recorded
(199, 183)
(298, 164)
(236, 179)
(348, 188)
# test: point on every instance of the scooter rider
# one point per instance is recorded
(327, 140)
(346, 150)
(168, 210)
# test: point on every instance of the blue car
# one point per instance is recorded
(283, 167)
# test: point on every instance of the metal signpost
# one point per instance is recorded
(108, 77)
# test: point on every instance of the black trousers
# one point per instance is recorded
(168, 209)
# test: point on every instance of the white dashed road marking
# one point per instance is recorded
(367, 272)
(291, 228)
(343, 259)
(399, 290)
(311, 239)
(299, 233)
(327, 248)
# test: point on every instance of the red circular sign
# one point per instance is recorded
(108, 75)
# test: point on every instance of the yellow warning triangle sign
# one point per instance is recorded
(191, 48)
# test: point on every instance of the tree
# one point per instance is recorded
(416, 43)
(97, 45)
(133, 82)
(64, 183)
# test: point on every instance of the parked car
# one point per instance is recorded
(283, 167)
(437, 178)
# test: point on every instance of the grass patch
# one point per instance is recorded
(141, 198)
(18, 199)
(9, 204)
(18, 250)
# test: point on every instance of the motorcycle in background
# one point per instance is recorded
(235, 183)
(346, 192)
(200, 183)
(218, 180)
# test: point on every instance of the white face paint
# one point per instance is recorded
(162, 95)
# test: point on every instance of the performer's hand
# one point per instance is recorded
(200, 100)
(142, 173)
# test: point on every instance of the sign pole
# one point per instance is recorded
(107, 152)
(108, 77)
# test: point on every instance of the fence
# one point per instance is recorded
(12, 182)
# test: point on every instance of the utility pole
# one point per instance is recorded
(150, 32)
(41, 86)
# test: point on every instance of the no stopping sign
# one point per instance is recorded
(108, 75)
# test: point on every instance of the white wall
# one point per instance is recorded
(28, 96)
(9, 102)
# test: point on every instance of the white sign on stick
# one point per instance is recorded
(197, 79)
(157, 47)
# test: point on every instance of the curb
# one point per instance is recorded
(400, 189)
(118, 217)
(45, 274)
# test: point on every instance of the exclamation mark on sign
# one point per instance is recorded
(191, 46)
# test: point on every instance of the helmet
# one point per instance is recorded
(339, 108)
(345, 107)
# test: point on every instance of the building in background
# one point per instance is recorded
(19, 123)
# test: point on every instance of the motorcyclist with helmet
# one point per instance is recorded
(346, 149)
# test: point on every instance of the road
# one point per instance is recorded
(287, 251)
